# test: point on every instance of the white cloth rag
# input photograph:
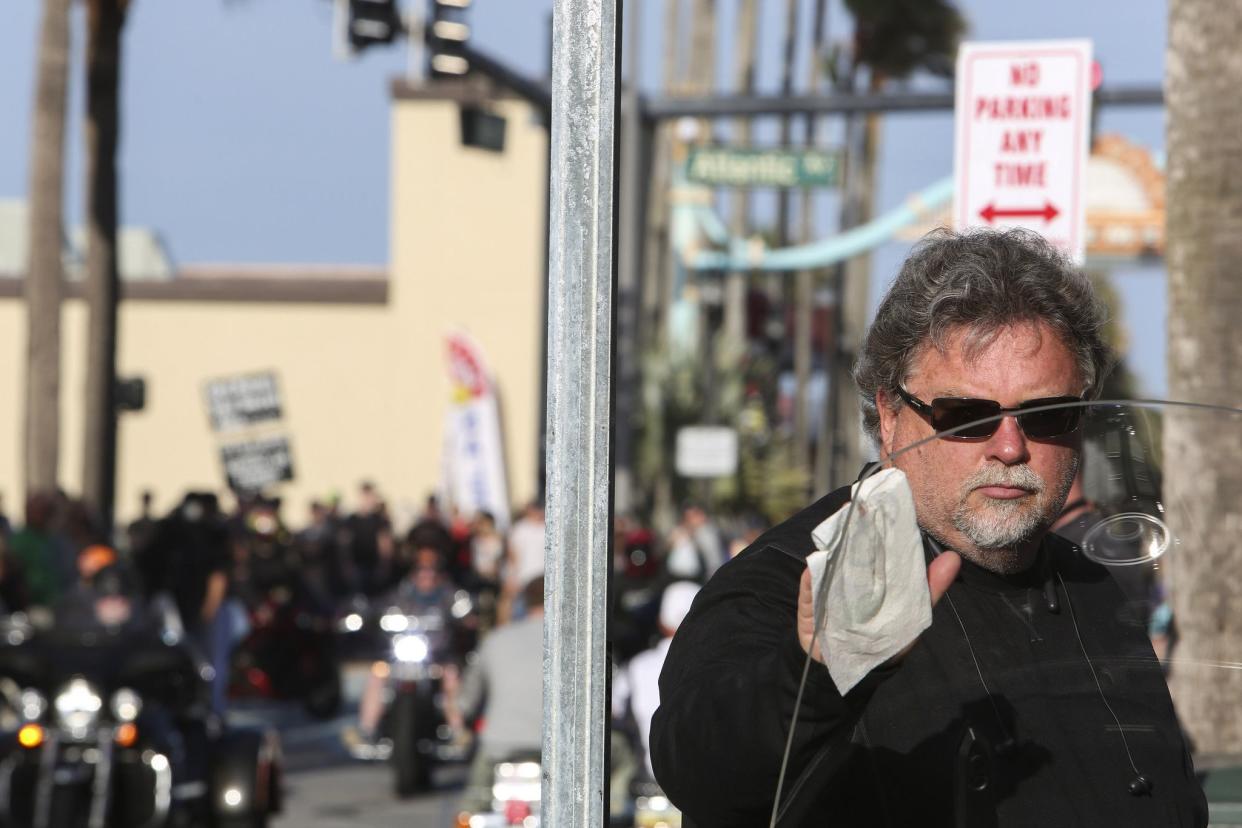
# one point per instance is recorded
(877, 600)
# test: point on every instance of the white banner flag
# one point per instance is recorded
(474, 463)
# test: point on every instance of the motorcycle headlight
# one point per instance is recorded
(33, 705)
(394, 622)
(126, 705)
(462, 604)
(410, 648)
(77, 706)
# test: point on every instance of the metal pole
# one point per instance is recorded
(580, 320)
(546, 112)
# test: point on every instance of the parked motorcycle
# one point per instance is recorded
(114, 729)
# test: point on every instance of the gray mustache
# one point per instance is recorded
(1017, 476)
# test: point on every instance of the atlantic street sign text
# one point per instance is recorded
(739, 167)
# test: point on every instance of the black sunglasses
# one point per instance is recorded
(945, 413)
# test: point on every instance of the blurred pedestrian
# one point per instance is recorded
(6, 528)
(487, 548)
(639, 687)
(750, 527)
(696, 549)
(13, 593)
(188, 558)
(316, 545)
(503, 685)
(370, 541)
(35, 547)
(523, 560)
(140, 530)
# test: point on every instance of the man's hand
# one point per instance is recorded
(940, 575)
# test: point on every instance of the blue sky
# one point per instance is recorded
(245, 140)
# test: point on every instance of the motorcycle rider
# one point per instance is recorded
(424, 591)
(108, 601)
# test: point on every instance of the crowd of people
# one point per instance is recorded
(217, 566)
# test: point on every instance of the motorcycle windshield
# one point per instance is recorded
(1058, 631)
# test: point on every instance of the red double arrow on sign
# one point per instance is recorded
(991, 212)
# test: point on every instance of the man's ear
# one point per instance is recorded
(888, 421)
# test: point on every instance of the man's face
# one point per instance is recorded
(990, 499)
(426, 579)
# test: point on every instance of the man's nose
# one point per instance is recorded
(1008, 444)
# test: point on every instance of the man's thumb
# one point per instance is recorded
(941, 573)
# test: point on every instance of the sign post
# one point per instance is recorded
(580, 302)
(1023, 120)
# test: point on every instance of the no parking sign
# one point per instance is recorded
(1023, 120)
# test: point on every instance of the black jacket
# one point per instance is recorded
(923, 743)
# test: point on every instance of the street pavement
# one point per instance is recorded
(350, 796)
(326, 788)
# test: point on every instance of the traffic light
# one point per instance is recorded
(447, 33)
(373, 22)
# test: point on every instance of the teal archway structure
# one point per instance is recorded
(749, 254)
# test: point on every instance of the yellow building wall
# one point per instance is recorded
(364, 387)
(12, 403)
(468, 241)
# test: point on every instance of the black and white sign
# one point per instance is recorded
(236, 402)
(254, 464)
(706, 451)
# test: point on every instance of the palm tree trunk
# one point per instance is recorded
(45, 269)
(804, 280)
(105, 19)
(744, 75)
(703, 47)
(853, 296)
(788, 53)
(1204, 142)
(703, 82)
(657, 287)
(776, 285)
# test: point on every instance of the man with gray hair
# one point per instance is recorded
(998, 713)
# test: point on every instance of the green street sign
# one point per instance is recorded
(732, 167)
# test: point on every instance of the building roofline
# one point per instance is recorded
(282, 286)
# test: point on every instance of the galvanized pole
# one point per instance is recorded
(580, 320)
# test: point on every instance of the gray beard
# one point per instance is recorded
(1004, 524)
(1002, 534)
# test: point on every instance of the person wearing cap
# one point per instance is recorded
(638, 685)
(1029, 698)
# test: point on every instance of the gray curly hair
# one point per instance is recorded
(979, 281)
